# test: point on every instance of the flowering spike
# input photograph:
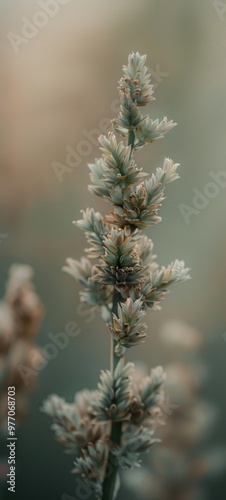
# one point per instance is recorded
(112, 426)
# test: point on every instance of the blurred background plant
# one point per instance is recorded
(179, 468)
(21, 314)
(47, 105)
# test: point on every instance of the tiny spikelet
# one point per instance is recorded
(129, 117)
(140, 204)
(95, 228)
(72, 422)
(147, 394)
(134, 442)
(126, 327)
(144, 248)
(91, 466)
(158, 282)
(136, 80)
(113, 400)
(80, 270)
(98, 186)
(116, 169)
(151, 130)
(120, 265)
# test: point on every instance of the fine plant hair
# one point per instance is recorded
(111, 427)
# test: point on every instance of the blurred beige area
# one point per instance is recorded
(57, 85)
(53, 86)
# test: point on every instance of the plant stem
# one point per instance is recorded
(114, 357)
(112, 466)
(116, 430)
(131, 139)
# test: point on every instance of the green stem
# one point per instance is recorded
(112, 465)
(116, 299)
(131, 139)
(116, 430)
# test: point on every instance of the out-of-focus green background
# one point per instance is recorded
(60, 84)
